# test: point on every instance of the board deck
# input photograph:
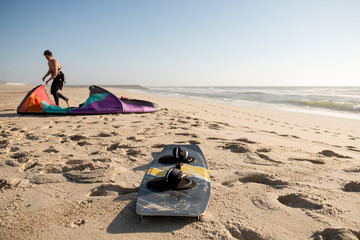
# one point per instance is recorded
(188, 203)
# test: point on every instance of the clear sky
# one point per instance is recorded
(184, 42)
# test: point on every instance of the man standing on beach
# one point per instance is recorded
(57, 76)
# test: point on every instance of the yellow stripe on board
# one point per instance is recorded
(198, 172)
(157, 172)
(191, 171)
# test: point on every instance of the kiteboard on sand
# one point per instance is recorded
(176, 184)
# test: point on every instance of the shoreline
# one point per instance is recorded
(296, 109)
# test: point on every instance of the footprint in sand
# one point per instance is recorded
(258, 178)
(104, 134)
(352, 187)
(284, 135)
(314, 161)
(83, 143)
(4, 134)
(28, 165)
(298, 201)
(77, 223)
(51, 149)
(77, 137)
(78, 164)
(20, 157)
(13, 183)
(4, 184)
(329, 153)
(14, 149)
(31, 137)
(11, 163)
(158, 145)
(117, 126)
(352, 148)
(265, 202)
(76, 128)
(111, 190)
(215, 138)
(352, 137)
(240, 232)
(98, 175)
(337, 234)
(236, 148)
(115, 146)
(60, 135)
(85, 171)
(272, 132)
(353, 170)
(134, 153)
(196, 125)
(102, 160)
(112, 147)
(46, 178)
(63, 140)
(135, 139)
(187, 135)
(260, 159)
(264, 150)
(4, 143)
(215, 126)
(137, 122)
(245, 140)
(95, 153)
(194, 142)
(53, 169)
(267, 158)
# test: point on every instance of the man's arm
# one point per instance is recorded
(48, 73)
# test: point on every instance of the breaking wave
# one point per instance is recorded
(331, 105)
(330, 99)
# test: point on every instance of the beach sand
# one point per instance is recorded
(274, 174)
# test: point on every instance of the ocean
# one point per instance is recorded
(331, 101)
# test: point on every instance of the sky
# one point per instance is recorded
(184, 42)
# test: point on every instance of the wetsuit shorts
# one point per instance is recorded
(58, 82)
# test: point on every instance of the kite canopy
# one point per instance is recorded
(100, 101)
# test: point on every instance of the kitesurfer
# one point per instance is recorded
(57, 76)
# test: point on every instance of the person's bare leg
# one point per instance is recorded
(64, 98)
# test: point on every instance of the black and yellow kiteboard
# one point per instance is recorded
(176, 184)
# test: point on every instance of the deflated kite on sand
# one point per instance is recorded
(100, 101)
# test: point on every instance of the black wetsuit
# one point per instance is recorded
(57, 85)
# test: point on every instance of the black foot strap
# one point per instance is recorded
(179, 155)
(174, 179)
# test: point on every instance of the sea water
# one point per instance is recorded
(330, 101)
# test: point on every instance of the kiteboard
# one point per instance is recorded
(190, 199)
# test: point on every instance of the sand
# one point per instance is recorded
(274, 174)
